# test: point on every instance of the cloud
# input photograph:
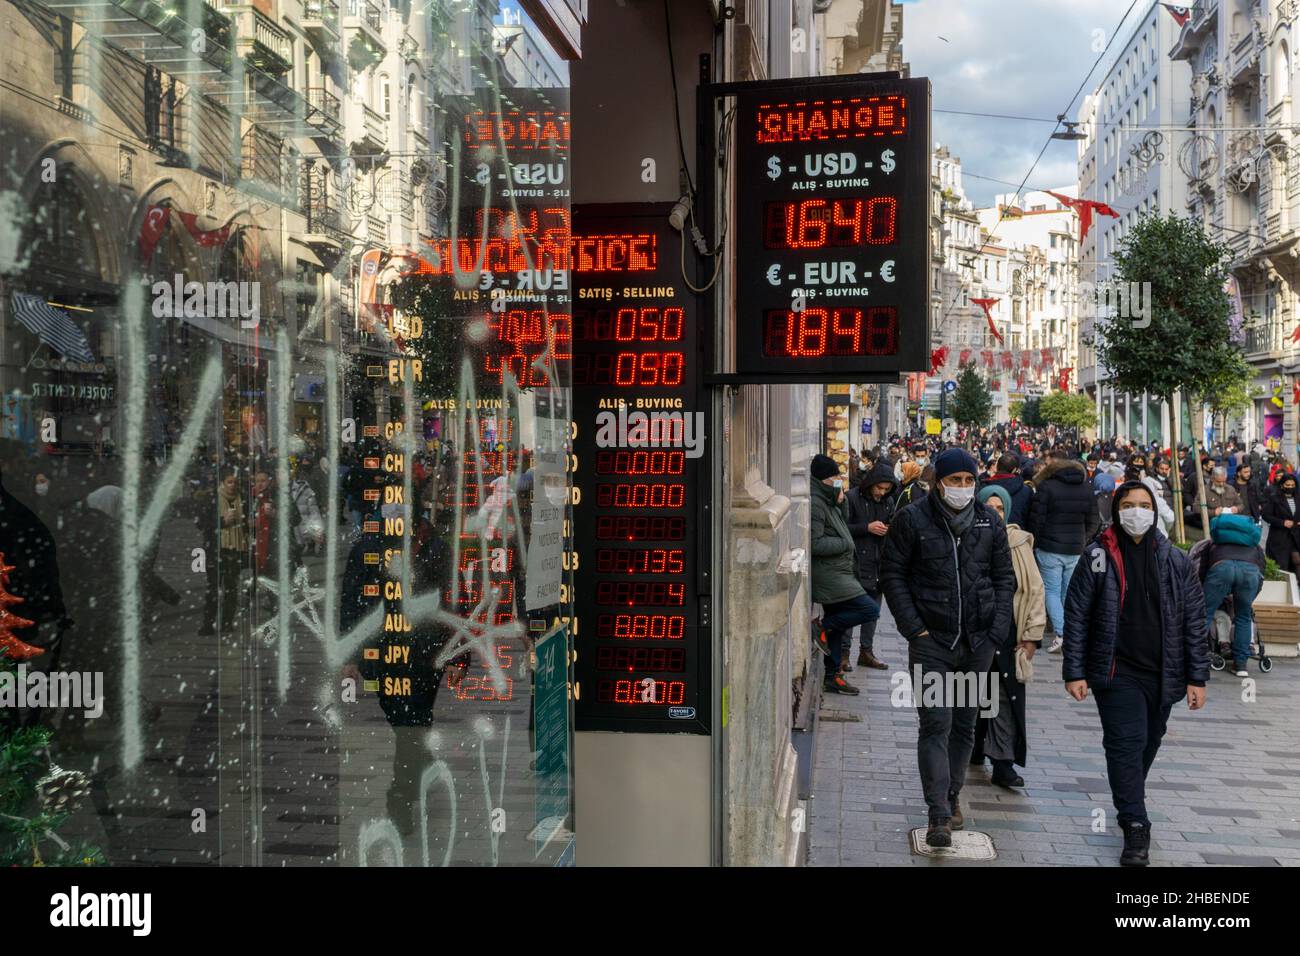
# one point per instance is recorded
(1022, 59)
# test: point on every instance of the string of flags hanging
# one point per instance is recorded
(158, 216)
(1023, 362)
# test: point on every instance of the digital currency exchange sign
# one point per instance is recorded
(833, 230)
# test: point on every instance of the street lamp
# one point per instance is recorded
(1071, 131)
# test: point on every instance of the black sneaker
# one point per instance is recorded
(838, 685)
(1004, 775)
(1137, 845)
(938, 833)
(821, 640)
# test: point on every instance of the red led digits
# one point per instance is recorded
(640, 594)
(640, 462)
(610, 528)
(669, 660)
(641, 496)
(642, 690)
(642, 561)
(615, 253)
(842, 332)
(641, 627)
(629, 369)
(830, 223)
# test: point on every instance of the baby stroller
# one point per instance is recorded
(1221, 640)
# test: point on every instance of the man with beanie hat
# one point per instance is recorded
(947, 575)
(835, 586)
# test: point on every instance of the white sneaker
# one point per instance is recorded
(1057, 644)
(1242, 673)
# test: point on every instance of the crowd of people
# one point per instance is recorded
(986, 547)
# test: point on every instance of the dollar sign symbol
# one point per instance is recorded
(774, 168)
(481, 177)
(887, 160)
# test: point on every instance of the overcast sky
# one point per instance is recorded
(1016, 57)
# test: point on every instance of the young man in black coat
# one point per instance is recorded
(870, 510)
(946, 572)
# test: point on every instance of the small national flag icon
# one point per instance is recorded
(371, 686)
(370, 494)
(372, 557)
(369, 431)
(370, 527)
(374, 371)
(370, 590)
(1180, 14)
(371, 462)
(371, 653)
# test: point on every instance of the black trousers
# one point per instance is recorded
(1132, 725)
(946, 735)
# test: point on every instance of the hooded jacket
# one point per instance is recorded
(951, 586)
(1092, 611)
(834, 556)
(1021, 496)
(1062, 515)
(862, 510)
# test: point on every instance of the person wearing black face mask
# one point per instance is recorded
(1280, 514)
(1135, 635)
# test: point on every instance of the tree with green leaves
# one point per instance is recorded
(1067, 410)
(972, 402)
(1183, 343)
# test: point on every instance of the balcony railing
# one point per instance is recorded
(261, 40)
(1269, 337)
(367, 12)
(321, 20)
(323, 100)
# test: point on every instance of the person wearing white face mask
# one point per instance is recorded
(1135, 635)
(946, 573)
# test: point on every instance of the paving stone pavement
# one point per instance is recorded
(1224, 790)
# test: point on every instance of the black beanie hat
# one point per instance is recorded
(823, 467)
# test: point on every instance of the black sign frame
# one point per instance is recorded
(910, 294)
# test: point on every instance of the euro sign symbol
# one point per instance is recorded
(482, 176)
(773, 168)
(887, 270)
(887, 160)
(774, 274)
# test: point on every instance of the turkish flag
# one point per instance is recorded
(964, 357)
(1063, 380)
(152, 227)
(1180, 14)
(987, 356)
(1085, 208)
(1008, 360)
(1048, 358)
(207, 238)
(938, 359)
(987, 305)
(1025, 359)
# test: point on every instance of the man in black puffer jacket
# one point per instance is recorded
(1062, 518)
(947, 575)
(1135, 635)
(870, 510)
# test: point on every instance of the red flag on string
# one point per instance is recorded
(1048, 358)
(938, 359)
(1063, 380)
(1180, 14)
(964, 357)
(987, 306)
(987, 357)
(1085, 208)
(152, 227)
(1025, 359)
(1008, 361)
(207, 238)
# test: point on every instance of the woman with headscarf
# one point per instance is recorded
(1002, 738)
(1135, 636)
(908, 474)
(1280, 514)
